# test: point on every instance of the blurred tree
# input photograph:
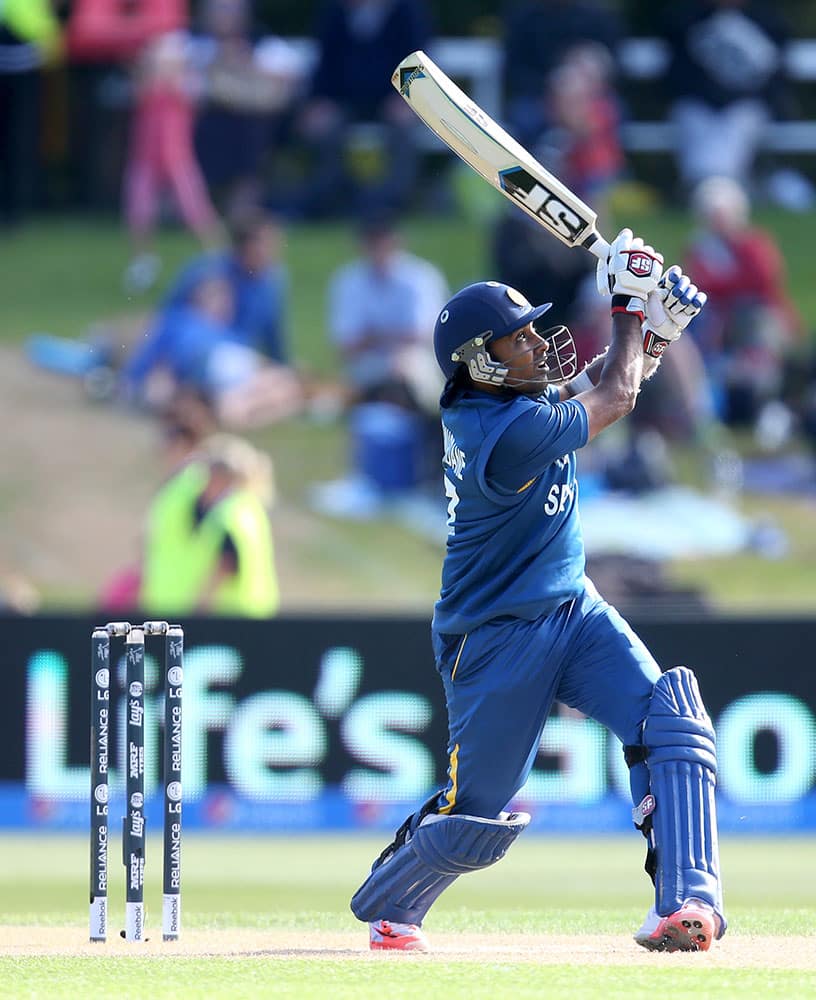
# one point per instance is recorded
(452, 17)
(479, 17)
(286, 17)
(643, 15)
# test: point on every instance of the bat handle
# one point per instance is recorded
(598, 245)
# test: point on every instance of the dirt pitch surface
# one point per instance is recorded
(733, 952)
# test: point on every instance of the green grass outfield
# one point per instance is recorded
(281, 904)
(63, 274)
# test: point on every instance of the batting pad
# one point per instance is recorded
(682, 765)
(405, 886)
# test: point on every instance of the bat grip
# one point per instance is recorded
(599, 246)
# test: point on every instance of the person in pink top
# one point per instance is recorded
(162, 155)
(149, 35)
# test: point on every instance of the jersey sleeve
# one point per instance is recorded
(541, 433)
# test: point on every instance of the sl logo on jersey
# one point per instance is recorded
(640, 264)
(541, 202)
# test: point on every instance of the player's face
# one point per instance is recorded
(524, 354)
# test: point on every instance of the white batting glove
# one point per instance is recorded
(669, 310)
(630, 272)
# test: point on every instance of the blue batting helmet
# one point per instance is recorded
(484, 311)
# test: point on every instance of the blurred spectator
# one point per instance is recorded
(18, 596)
(807, 407)
(382, 309)
(185, 425)
(726, 82)
(537, 33)
(193, 344)
(113, 31)
(161, 155)
(584, 115)
(149, 37)
(247, 87)
(678, 401)
(581, 145)
(750, 327)
(29, 38)
(255, 270)
(208, 545)
(359, 44)
(103, 38)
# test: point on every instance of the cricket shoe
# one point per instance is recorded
(388, 936)
(691, 928)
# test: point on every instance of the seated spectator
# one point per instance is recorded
(382, 309)
(193, 344)
(208, 546)
(750, 327)
(359, 44)
(537, 33)
(725, 82)
(257, 275)
(247, 87)
(161, 155)
(678, 401)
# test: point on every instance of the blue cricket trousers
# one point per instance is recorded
(500, 683)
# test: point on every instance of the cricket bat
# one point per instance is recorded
(486, 147)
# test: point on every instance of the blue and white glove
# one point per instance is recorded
(669, 310)
(630, 272)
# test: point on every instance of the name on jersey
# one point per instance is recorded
(454, 456)
(560, 494)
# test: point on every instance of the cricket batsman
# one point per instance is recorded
(518, 624)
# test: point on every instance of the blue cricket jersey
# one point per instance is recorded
(514, 537)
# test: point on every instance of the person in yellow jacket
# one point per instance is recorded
(34, 22)
(209, 546)
(30, 40)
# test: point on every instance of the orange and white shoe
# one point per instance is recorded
(388, 936)
(691, 928)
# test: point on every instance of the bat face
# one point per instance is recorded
(485, 146)
(544, 205)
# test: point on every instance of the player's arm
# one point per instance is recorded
(620, 377)
(630, 273)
